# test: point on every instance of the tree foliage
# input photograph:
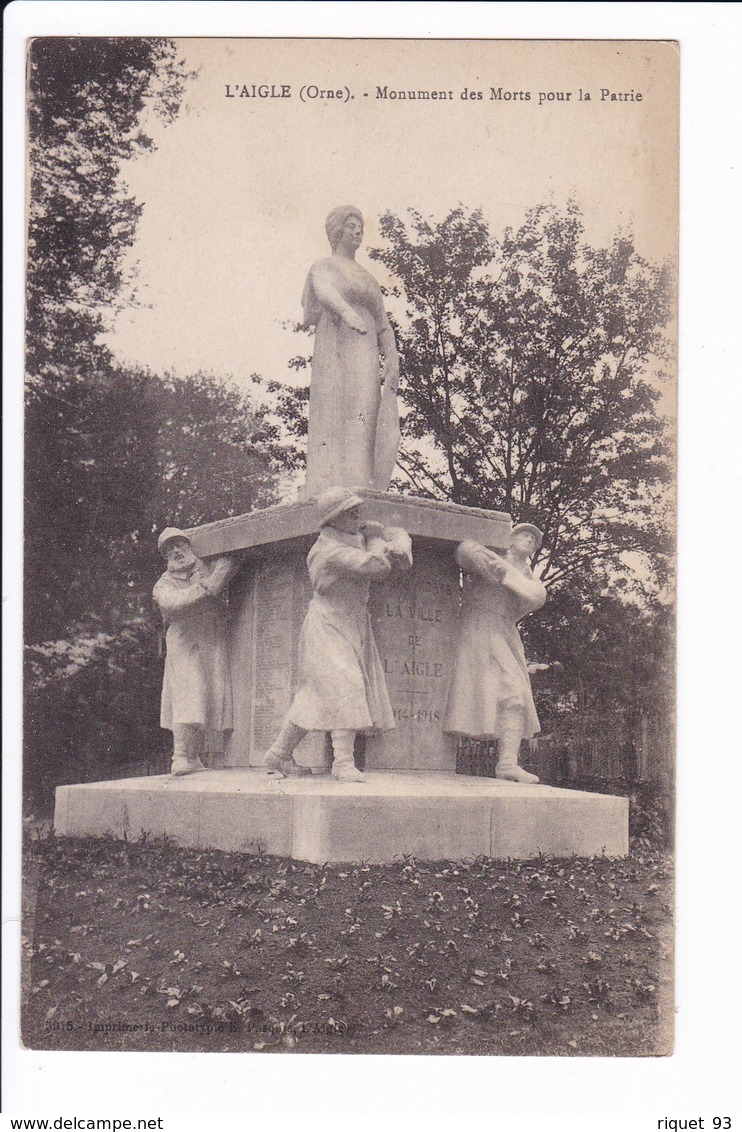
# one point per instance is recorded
(86, 98)
(111, 454)
(86, 429)
(531, 377)
(615, 657)
(137, 453)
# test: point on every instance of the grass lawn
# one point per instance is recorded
(147, 946)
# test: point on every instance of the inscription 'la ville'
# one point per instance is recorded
(414, 612)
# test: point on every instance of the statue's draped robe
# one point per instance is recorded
(341, 678)
(345, 391)
(490, 668)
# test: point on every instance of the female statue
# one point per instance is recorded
(353, 420)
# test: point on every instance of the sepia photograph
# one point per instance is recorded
(349, 546)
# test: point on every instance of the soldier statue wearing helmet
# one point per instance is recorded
(342, 688)
(490, 693)
(197, 689)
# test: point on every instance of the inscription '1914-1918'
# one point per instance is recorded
(422, 715)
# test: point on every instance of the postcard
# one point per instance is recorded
(290, 297)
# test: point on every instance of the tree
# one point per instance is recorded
(208, 457)
(530, 379)
(86, 100)
(614, 656)
(156, 452)
(145, 453)
(112, 454)
(85, 435)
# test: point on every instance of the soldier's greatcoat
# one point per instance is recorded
(341, 678)
(196, 688)
(490, 669)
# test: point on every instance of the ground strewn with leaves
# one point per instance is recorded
(147, 946)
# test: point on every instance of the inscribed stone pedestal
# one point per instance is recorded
(415, 620)
(414, 615)
(268, 609)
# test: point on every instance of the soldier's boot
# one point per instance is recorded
(278, 760)
(508, 750)
(188, 745)
(343, 767)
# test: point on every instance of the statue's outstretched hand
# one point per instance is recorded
(372, 529)
(493, 566)
(400, 548)
(221, 575)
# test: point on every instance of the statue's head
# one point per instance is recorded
(175, 547)
(338, 219)
(339, 508)
(526, 538)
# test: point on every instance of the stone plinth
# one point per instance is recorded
(432, 816)
(295, 523)
(415, 618)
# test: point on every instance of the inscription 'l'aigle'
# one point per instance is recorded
(414, 612)
(414, 668)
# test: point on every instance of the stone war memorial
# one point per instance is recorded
(316, 709)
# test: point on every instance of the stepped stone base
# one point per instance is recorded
(428, 815)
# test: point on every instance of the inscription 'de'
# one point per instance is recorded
(413, 612)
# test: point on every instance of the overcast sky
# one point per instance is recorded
(237, 192)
